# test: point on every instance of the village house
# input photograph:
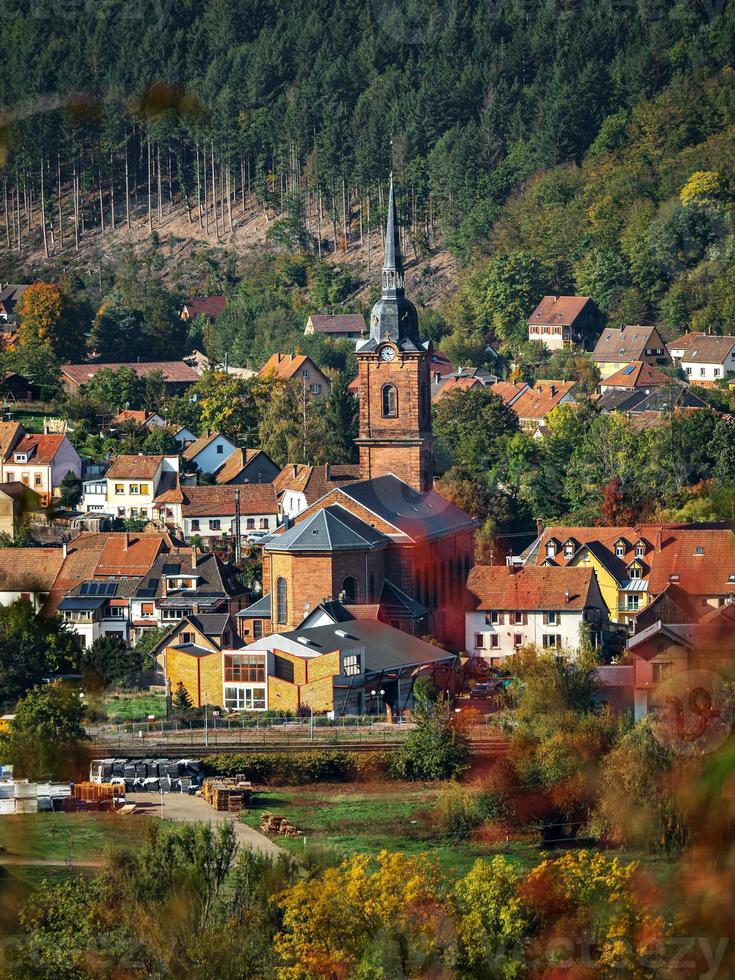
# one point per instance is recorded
(300, 368)
(99, 608)
(177, 375)
(337, 326)
(359, 667)
(298, 485)
(707, 359)
(17, 502)
(183, 437)
(535, 403)
(565, 321)
(546, 607)
(509, 391)
(461, 380)
(209, 307)
(617, 348)
(10, 296)
(137, 487)
(209, 452)
(192, 653)
(635, 376)
(41, 462)
(28, 573)
(130, 416)
(247, 466)
(634, 565)
(650, 403)
(210, 512)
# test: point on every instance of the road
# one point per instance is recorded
(193, 809)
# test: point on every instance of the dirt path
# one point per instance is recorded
(193, 809)
(19, 859)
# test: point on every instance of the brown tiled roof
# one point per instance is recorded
(558, 310)
(169, 490)
(202, 442)
(235, 464)
(709, 350)
(255, 498)
(448, 385)
(134, 467)
(205, 305)
(508, 391)
(130, 415)
(171, 370)
(338, 322)
(42, 448)
(538, 401)
(10, 433)
(628, 344)
(15, 488)
(285, 366)
(681, 343)
(637, 374)
(130, 554)
(29, 569)
(82, 556)
(499, 587)
(315, 481)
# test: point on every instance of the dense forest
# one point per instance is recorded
(551, 146)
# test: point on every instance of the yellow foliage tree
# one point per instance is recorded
(40, 312)
(704, 186)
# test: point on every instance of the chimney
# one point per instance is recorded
(294, 470)
(63, 550)
(552, 389)
(327, 472)
(539, 527)
(659, 538)
(194, 556)
(566, 596)
(126, 541)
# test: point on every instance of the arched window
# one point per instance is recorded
(281, 601)
(349, 589)
(390, 401)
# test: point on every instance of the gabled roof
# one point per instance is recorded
(210, 306)
(135, 467)
(675, 395)
(536, 402)
(628, 344)
(172, 371)
(193, 450)
(261, 609)
(16, 490)
(329, 529)
(314, 481)
(395, 602)
(236, 462)
(681, 343)
(29, 569)
(130, 554)
(11, 294)
(255, 498)
(338, 323)
(706, 349)
(10, 434)
(530, 588)
(558, 310)
(637, 374)
(449, 384)
(286, 366)
(620, 400)
(417, 516)
(509, 391)
(215, 577)
(41, 449)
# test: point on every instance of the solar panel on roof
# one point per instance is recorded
(171, 569)
(629, 370)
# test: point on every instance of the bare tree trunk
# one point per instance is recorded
(229, 198)
(206, 207)
(318, 221)
(368, 229)
(76, 210)
(214, 191)
(112, 190)
(199, 189)
(127, 184)
(58, 189)
(102, 210)
(344, 212)
(7, 223)
(150, 192)
(158, 184)
(43, 213)
(170, 181)
(27, 204)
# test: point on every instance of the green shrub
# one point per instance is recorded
(298, 767)
(460, 810)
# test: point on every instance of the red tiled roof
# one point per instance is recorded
(10, 433)
(558, 310)
(130, 415)
(642, 375)
(41, 449)
(538, 401)
(448, 385)
(201, 443)
(29, 569)
(681, 343)
(500, 587)
(130, 554)
(314, 481)
(134, 467)
(508, 391)
(205, 305)
(285, 366)
(173, 371)
(255, 498)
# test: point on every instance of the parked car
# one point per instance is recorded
(255, 537)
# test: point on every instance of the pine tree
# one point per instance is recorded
(181, 700)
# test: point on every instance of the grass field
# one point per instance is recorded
(67, 836)
(365, 819)
(122, 708)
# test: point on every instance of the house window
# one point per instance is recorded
(390, 402)
(281, 601)
(551, 550)
(552, 618)
(717, 372)
(195, 525)
(479, 640)
(264, 523)
(245, 667)
(146, 609)
(220, 448)
(635, 572)
(134, 488)
(640, 550)
(620, 550)
(661, 670)
(349, 588)
(257, 629)
(518, 618)
(119, 488)
(569, 550)
(10, 477)
(316, 389)
(187, 637)
(37, 480)
(351, 665)
(305, 373)
(702, 372)
(214, 524)
(517, 639)
(494, 640)
(245, 698)
(550, 640)
(250, 524)
(117, 612)
(492, 618)
(144, 488)
(632, 602)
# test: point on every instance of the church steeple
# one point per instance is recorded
(394, 316)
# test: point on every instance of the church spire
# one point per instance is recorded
(393, 259)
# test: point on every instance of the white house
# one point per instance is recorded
(142, 487)
(41, 462)
(94, 609)
(183, 437)
(209, 512)
(29, 573)
(708, 359)
(209, 452)
(540, 606)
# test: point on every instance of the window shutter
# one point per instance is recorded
(546, 619)
(525, 619)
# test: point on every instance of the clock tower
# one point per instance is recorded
(394, 376)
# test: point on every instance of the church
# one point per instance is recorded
(386, 546)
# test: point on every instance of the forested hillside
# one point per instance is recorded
(550, 146)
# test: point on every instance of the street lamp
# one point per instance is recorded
(206, 727)
(375, 694)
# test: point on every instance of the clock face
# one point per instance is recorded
(387, 354)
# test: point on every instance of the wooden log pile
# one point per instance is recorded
(228, 795)
(271, 824)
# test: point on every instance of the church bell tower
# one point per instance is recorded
(395, 383)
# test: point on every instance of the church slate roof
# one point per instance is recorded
(329, 529)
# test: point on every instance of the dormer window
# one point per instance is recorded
(620, 550)
(569, 549)
(640, 549)
(21, 457)
(635, 571)
(551, 549)
(698, 552)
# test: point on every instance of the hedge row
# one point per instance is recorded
(299, 767)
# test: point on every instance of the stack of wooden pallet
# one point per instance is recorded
(228, 795)
(271, 824)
